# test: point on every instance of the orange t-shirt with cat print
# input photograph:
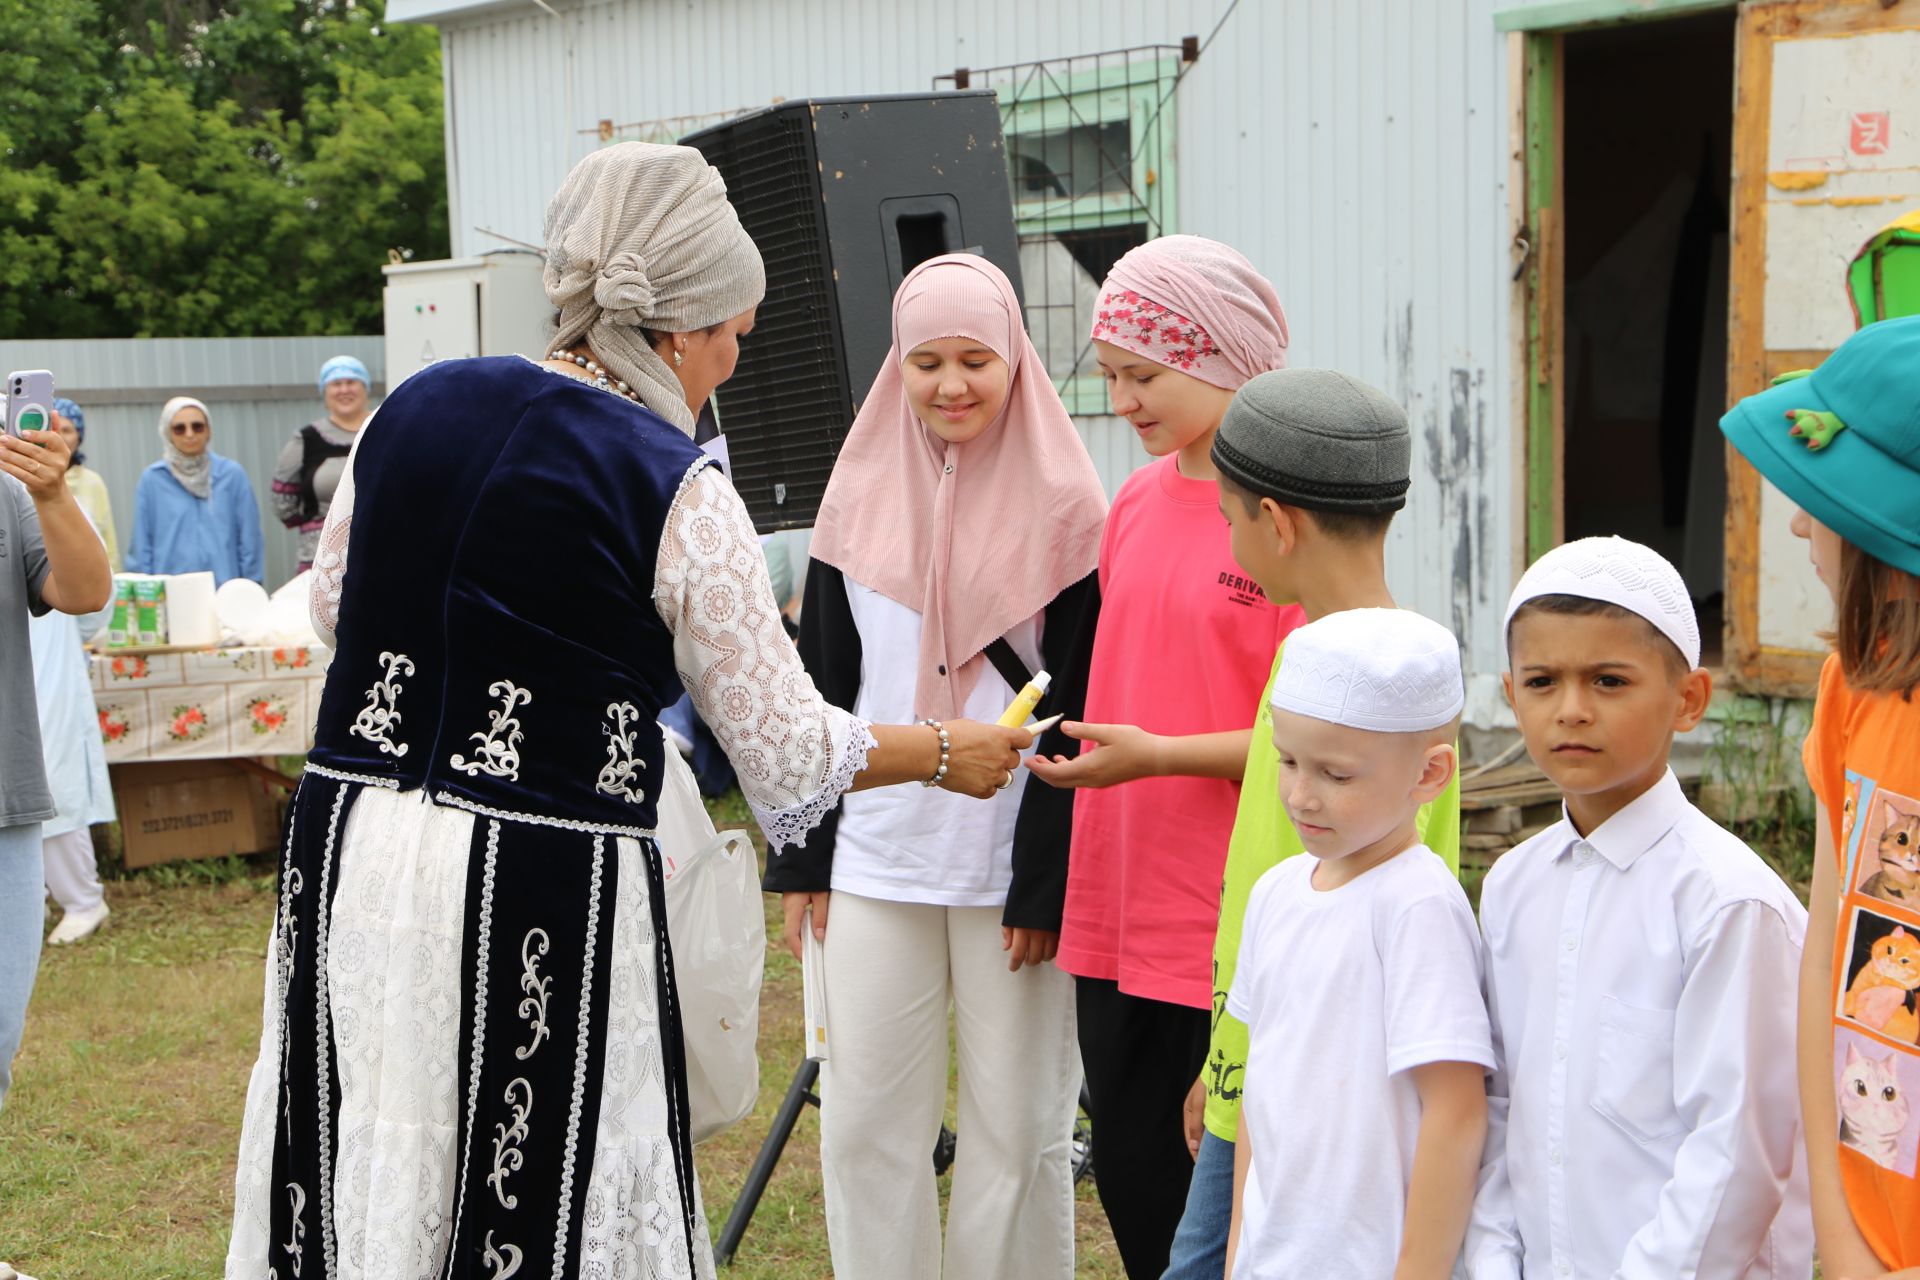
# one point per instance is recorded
(1863, 759)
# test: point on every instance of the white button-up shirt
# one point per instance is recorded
(1643, 1121)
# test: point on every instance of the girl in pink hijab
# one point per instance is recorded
(954, 555)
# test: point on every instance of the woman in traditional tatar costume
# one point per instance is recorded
(471, 1060)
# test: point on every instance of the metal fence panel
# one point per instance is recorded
(258, 392)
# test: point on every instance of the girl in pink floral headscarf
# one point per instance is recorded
(1198, 308)
(1195, 305)
(1184, 642)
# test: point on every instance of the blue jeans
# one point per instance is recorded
(23, 896)
(1200, 1245)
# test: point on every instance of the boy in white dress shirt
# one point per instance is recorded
(1640, 964)
(1359, 974)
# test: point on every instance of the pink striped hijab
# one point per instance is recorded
(1194, 305)
(978, 536)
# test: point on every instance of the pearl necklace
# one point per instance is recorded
(600, 378)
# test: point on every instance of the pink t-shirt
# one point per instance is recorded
(1184, 646)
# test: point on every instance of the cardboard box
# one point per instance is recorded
(171, 811)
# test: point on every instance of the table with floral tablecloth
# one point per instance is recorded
(210, 704)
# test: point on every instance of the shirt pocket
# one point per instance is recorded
(1633, 1071)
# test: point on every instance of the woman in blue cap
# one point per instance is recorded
(1843, 444)
(313, 461)
(89, 490)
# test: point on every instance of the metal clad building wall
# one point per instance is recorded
(258, 391)
(1355, 150)
(1357, 153)
(641, 60)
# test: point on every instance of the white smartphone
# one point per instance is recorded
(29, 401)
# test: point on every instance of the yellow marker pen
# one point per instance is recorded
(1027, 699)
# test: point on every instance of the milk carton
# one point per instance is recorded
(150, 611)
(120, 625)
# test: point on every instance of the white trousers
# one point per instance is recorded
(892, 968)
(73, 878)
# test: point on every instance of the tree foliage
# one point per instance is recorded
(212, 167)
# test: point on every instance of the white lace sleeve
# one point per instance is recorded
(795, 754)
(330, 555)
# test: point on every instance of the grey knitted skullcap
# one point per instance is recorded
(1316, 439)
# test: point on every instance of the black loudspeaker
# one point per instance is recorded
(844, 196)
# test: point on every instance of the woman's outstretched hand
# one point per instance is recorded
(982, 758)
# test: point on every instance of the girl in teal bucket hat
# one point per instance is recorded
(1844, 443)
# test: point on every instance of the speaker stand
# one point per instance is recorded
(799, 1094)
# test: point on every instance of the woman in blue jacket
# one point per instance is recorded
(194, 509)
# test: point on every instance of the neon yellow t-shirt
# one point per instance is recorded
(1262, 839)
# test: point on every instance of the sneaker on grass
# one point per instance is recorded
(74, 926)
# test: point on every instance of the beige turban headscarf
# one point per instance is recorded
(642, 235)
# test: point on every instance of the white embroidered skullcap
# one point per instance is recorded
(1635, 578)
(1384, 670)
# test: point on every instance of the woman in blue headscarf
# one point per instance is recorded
(195, 510)
(89, 490)
(312, 463)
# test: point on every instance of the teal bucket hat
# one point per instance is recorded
(1844, 441)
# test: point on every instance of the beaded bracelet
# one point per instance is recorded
(946, 746)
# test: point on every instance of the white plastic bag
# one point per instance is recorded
(719, 940)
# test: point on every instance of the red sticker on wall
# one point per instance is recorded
(1869, 133)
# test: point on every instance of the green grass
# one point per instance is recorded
(1759, 787)
(117, 1143)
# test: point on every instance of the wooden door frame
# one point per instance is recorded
(1539, 213)
(1538, 344)
(1542, 342)
(1751, 665)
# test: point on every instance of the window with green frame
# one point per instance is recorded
(1090, 162)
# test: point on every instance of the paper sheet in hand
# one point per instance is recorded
(813, 988)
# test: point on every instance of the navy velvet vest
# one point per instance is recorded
(497, 638)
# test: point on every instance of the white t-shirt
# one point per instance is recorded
(1342, 992)
(923, 844)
